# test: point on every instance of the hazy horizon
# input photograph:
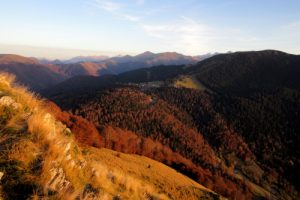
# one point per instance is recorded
(61, 30)
(52, 53)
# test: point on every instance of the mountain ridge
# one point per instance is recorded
(29, 71)
(13, 58)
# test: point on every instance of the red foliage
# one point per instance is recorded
(85, 131)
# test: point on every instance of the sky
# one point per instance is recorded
(67, 28)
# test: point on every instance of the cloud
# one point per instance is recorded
(130, 17)
(185, 34)
(190, 36)
(116, 9)
(108, 5)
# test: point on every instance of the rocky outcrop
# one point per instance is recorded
(58, 181)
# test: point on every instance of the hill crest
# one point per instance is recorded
(12, 58)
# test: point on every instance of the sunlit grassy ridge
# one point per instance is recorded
(40, 159)
(189, 82)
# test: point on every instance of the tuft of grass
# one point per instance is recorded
(24, 151)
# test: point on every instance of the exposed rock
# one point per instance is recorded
(58, 181)
(8, 101)
(68, 157)
(67, 132)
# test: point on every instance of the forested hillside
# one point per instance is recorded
(236, 134)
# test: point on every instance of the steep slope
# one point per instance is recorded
(246, 72)
(259, 97)
(40, 159)
(229, 123)
(29, 72)
(82, 68)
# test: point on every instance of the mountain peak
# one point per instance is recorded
(147, 53)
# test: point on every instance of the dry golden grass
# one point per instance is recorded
(190, 82)
(23, 151)
(141, 175)
(6, 79)
(19, 93)
(187, 82)
(76, 172)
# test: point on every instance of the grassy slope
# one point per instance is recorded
(40, 159)
(190, 82)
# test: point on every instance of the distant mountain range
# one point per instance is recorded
(143, 57)
(101, 65)
(118, 65)
(41, 74)
(76, 59)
